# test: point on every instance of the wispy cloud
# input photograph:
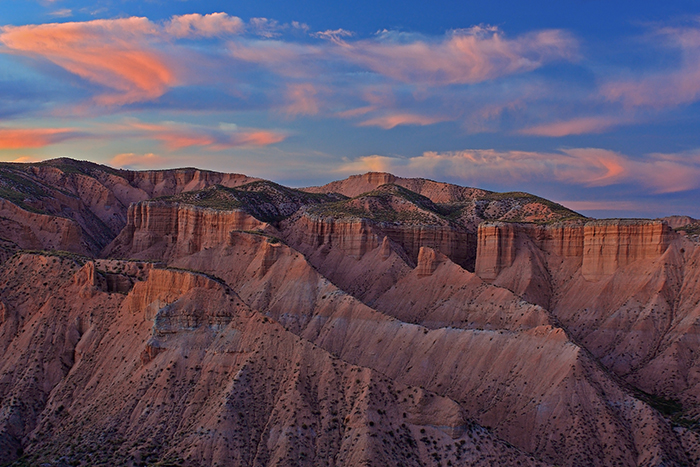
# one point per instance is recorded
(62, 13)
(576, 126)
(664, 88)
(463, 57)
(111, 53)
(301, 99)
(175, 136)
(19, 138)
(134, 60)
(393, 120)
(196, 25)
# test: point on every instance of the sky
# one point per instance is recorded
(590, 103)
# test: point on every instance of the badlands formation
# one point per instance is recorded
(186, 317)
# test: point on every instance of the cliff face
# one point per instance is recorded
(91, 198)
(465, 364)
(159, 230)
(30, 230)
(625, 289)
(601, 247)
(356, 237)
(609, 246)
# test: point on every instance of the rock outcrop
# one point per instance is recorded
(601, 247)
(166, 230)
(611, 245)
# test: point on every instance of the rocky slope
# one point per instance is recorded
(373, 321)
(80, 206)
(626, 290)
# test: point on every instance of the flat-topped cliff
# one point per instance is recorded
(601, 247)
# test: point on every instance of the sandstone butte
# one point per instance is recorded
(186, 317)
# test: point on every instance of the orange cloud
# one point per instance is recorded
(25, 159)
(111, 53)
(577, 126)
(393, 120)
(18, 138)
(173, 135)
(176, 136)
(257, 138)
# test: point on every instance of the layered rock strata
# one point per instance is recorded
(602, 247)
(161, 228)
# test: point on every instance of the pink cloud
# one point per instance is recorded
(390, 121)
(576, 126)
(284, 58)
(257, 138)
(196, 25)
(18, 138)
(660, 173)
(111, 53)
(464, 57)
(666, 88)
(356, 112)
(175, 136)
(302, 99)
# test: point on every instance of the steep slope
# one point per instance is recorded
(626, 290)
(180, 371)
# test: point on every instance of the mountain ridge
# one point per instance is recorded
(223, 319)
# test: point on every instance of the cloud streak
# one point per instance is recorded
(393, 120)
(175, 136)
(667, 88)
(588, 167)
(464, 57)
(196, 25)
(20, 138)
(576, 126)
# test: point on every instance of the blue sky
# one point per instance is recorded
(590, 103)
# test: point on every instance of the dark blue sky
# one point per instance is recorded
(590, 103)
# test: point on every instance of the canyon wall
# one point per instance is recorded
(173, 229)
(602, 247)
(356, 237)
